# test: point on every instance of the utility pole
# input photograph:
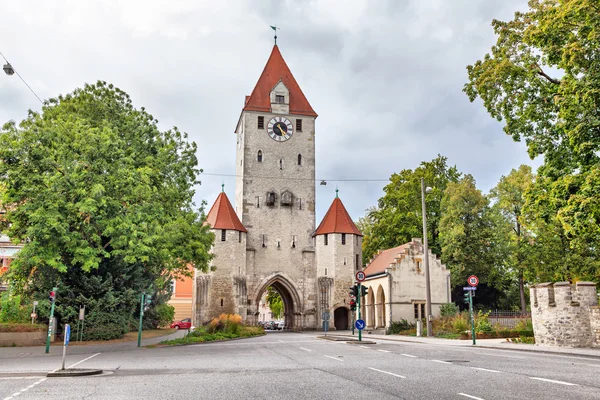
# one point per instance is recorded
(426, 261)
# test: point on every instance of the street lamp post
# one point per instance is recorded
(426, 260)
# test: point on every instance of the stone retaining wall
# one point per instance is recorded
(8, 339)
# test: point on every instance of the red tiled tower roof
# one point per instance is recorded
(337, 220)
(223, 216)
(277, 70)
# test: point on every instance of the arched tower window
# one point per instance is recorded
(299, 159)
(259, 157)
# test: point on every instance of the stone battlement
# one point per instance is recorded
(565, 314)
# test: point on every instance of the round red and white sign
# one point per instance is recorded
(360, 276)
(473, 281)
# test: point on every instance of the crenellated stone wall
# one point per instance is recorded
(565, 314)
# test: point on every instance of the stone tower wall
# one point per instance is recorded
(565, 314)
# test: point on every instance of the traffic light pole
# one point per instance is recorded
(141, 317)
(51, 321)
(359, 296)
(472, 316)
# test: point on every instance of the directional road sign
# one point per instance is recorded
(67, 334)
(325, 316)
(473, 281)
(359, 324)
(360, 276)
(469, 288)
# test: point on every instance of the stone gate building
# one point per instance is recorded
(269, 238)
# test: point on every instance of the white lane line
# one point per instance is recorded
(408, 355)
(389, 373)
(384, 351)
(12, 396)
(302, 348)
(85, 359)
(19, 377)
(552, 381)
(501, 355)
(593, 365)
(441, 362)
(365, 347)
(469, 396)
(485, 369)
(281, 341)
(334, 358)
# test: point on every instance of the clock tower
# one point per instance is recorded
(275, 190)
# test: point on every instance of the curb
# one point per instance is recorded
(73, 372)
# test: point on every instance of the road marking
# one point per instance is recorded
(281, 341)
(19, 377)
(408, 355)
(485, 369)
(334, 358)
(501, 355)
(593, 365)
(384, 351)
(302, 348)
(441, 362)
(469, 396)
(389, 373)
(552, 381)
(365, 347)
(12, 396)
(85, 359)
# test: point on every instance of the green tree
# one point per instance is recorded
(509, 195)
(275, 302)
(473, 240)
(101, 199)
(557, 116)
(398, 216)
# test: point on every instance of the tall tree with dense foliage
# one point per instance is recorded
(275, 302)
(398, 216)
(473, 240)
(509, 195)
(542, 78)
(101, 199)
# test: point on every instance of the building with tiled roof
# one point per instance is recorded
(269, 238)
(396, 285)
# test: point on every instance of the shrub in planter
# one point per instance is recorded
(448, 310)
(398, 326)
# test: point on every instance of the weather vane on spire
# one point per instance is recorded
(336, 192)
(223, 187)
(275, 29)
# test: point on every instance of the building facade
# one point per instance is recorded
(396, 286)
(269, 239)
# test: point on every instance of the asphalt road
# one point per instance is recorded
(284, 365)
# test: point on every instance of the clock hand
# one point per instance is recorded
(280, 130)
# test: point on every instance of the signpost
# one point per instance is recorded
(359, 316)
(360, 276)
(360, 325)
(325, 317)
(80, 320)
(52, 299)
(67, 337)
(473, 281)
(33, 313)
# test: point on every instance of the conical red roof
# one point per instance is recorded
(337, 220)
(277, 70)
(223, 216)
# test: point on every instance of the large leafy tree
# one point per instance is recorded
(275, 302)
(101, 199)
(509, 196)
(542, 78)
(473, 238)
(398, 216)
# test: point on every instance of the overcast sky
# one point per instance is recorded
(385, 77)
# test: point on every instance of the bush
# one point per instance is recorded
(11, 309)
(105, 326)
(448, 310)
(22, 327)
(165, 314)
(399, 326)
(460, 323)
(228, 323)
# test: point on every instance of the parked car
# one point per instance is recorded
(280, 325)
(185, 323)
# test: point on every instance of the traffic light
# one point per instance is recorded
(354, 291)
(352, 305)
(364, 291)
(467, 297)
(147, 301)
(52, 296)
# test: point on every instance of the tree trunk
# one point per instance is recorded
(522, 293)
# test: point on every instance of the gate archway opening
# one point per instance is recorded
(289, 297)
(340, 318)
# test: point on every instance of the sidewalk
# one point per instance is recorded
(16, 352)
(500, 344)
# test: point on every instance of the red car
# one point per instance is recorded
(183, 324)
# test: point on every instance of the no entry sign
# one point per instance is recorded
(473, 281)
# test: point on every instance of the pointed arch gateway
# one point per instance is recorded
(289, 294)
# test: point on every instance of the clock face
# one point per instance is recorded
(280, 129)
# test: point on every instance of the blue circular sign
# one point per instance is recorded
(360, 324)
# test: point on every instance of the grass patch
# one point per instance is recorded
(10, 327)
(200, 335)
(129, 337)
(448, 335)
